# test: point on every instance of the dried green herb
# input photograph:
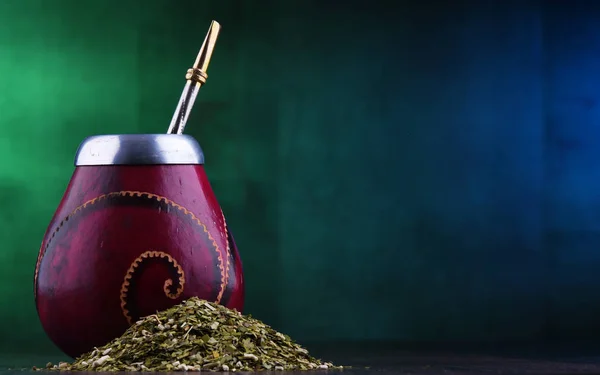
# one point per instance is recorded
(197, 336)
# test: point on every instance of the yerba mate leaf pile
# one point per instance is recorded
(197, 336)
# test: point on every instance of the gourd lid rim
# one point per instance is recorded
(139, 149)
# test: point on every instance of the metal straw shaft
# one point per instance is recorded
(184, 107)
(196, 77)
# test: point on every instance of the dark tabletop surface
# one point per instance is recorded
(371, 358)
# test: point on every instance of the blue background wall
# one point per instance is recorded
(416, 172)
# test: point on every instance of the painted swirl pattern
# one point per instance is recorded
(221, 264)
(172, 289)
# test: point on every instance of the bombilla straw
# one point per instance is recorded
(196, 77)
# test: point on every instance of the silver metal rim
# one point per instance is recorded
(139, 149)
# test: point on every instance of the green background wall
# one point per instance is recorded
(408, 172)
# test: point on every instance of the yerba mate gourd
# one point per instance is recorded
(138, 230)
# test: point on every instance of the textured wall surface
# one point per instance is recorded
(416, 172)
